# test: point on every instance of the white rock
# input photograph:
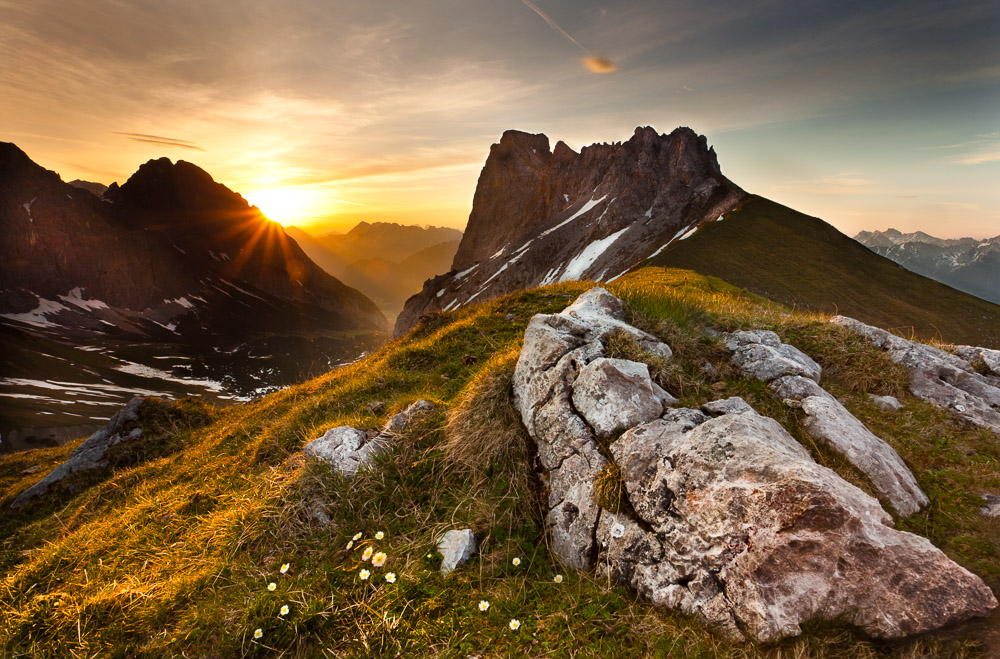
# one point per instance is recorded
(760, 354)
(615, 394)
(339, 448)
(829, 421)
(885, 402)
(734, 405)
(456, 547)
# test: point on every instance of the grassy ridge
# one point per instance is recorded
(801, 261)
(173, 551)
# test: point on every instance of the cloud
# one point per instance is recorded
(157, 139)
(596, 64)
(983, 148)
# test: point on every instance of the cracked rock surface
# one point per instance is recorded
(794, 376)
(726, 517)
(349, 450)
(941, 378)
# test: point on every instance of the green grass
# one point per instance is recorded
(803, 262)
(171, 550)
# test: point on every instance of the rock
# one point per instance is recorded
(942, 379)
(456, 547)
(90, 454)
(760, 354)
(990, 359)
(885, 402)
(401, 422)
(992, 507)
(615, 394)
(748, 531)
(375, 407)
(828, 420)
(734, 405)
(339, 447)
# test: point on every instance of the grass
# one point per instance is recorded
(803, 262)
(170, 551)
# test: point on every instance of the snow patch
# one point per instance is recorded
(689, 233)
(721, 217)
(467, 271)
(441, 292)
(36, 317)
(586, 207)
(27, 209)
(75, 297)
(662, 247)
(453, 303)
(565, 197)
(648, 213)
(586, 258)
(502, 250)
(550, 276)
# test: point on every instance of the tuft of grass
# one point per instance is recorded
(609, 489)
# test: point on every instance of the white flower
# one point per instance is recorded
(366, 554)
(483, 605)
(258, 633)
(364, 574)
(379, 535)
(271, 586)
(350, 543)
(516, 561)
(284, 568)
(391, 577)
(379, 559)
(357, 536)
(557, 578)
(514, 624)
(284, 610)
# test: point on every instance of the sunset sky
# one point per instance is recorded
(326, 112)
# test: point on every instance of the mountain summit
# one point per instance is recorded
(541, 216)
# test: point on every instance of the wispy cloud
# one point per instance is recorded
(983, 148)
(158, 139)
(593, 63)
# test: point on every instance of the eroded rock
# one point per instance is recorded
(90, 454)
(945, 380)
(734, 405)
(615, 394)
(885, 402)
(760, 354)
(828, 420)
(456, 548)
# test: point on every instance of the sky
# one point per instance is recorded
(867, 114)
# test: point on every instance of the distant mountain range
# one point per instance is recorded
(967, 264)
(541, 216)
(169, 258)
(388, 262)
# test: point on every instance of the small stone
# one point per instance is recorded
(375, 407)
(30, 470)
(734, 405)
(885, 402)
(456, 547)
(992, 507)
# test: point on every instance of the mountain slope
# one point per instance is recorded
(540, 216)
(967, 264)
(797, 260)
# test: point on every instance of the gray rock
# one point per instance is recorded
(90, 454)
(760, 354)
(748, 531)
(830, 422)
(456, 547)
(945, 380)
(615, 394)
(885, 402)
(734, 405)
(338, 447)
(992, 507)
(985, 356)
(400, 423)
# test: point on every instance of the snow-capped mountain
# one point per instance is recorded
(967, 264)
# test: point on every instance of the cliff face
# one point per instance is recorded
(541, 216)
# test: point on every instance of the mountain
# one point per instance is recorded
(96, 189)
(169, 258)
(967, 264)
(541, 216)
(400, 258)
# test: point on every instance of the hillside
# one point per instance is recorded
(170, 548)
(801, 261)
(967, 264)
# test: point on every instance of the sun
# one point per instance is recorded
(285, 206)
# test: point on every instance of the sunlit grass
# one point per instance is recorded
(173, 551)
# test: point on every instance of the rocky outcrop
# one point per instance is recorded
(794, 376)
(726, 517)
(90, 455)
(456, 548)
(349, 450)
(828, 420)
(541, 216)
(941, 378)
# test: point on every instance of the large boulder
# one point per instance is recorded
(90, 455)
(829, 421)
(730, 517)
(941, 378)
(742, 526)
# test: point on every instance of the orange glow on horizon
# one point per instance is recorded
(286, 206)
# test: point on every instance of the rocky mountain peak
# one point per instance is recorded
(574, 215)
